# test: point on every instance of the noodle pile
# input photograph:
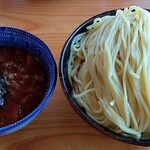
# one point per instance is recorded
(109, 68)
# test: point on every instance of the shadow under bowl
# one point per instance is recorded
(63, 67)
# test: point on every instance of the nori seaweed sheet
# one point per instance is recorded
(3, 89)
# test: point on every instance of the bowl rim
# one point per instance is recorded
(48, 93)
(71, 100)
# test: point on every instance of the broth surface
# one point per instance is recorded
(26, 81)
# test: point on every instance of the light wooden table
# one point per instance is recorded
(58, 126)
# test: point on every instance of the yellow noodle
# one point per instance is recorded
(109, 69)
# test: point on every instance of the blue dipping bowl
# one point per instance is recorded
(31, 43)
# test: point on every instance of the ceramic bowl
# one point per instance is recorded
(63, 66)
(16, 37)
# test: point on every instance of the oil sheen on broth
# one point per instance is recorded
(26, 81)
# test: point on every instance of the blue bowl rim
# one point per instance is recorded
(27, 119)
(66, 49)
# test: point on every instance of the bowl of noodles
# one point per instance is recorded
(104, 69)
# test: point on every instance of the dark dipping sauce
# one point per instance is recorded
(26, 81)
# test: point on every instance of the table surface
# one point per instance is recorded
(58, 126)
